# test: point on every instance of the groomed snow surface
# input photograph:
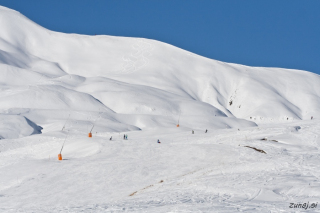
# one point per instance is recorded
(261, 152)
(201, 172)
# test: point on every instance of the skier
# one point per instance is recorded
(111, 138)
(311, 117)
(124, 137)
(159, 141)
(192, 132)
(206, 130)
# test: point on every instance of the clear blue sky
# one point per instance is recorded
(271, 33)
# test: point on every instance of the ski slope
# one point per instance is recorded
(203, 172)
(56, 87)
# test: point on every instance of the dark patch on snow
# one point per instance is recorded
(133, 193)
(297, 128)
(258, 150)
(37, 129)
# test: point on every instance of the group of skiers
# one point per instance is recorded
(204, 132)
(125, 136)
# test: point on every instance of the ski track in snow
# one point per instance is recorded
(138, 58)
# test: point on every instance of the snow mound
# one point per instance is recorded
(15, 126)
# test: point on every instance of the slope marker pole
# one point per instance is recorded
(90, 133)
(179, 118)
(59, 155)
(65, 123)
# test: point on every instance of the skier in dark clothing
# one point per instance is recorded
(192, 132)
(111, 138)
(206, 130)
(124, 137)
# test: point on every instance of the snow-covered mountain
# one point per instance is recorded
(139, 83)
(56, 87)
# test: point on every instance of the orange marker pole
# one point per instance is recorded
(59, 155)
(90, 134)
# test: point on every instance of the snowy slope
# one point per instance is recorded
(152, 70)
(45, 70)
(56, 87)
(213, 172)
